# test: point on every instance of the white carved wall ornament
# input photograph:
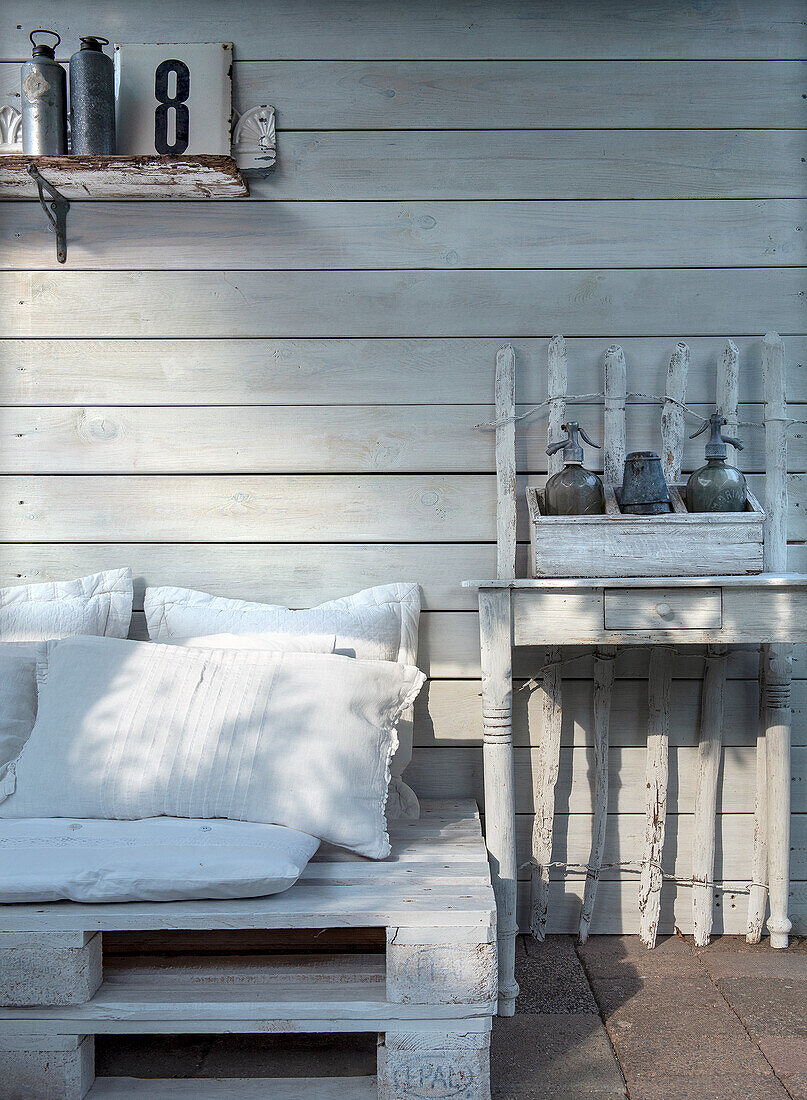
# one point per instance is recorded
(10, 130)
(255, 141)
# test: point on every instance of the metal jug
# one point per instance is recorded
(644, 491)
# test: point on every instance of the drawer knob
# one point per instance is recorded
(664, 611)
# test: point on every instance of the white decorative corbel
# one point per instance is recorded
(10, 130)
(254, 141)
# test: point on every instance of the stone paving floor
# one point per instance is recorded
(611, 1019)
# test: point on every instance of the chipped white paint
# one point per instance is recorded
(709, 745)
(500, 817)
(657, 768)
(604, 663)
(412, 1066)
(777, 658)
(119, 177)
(672, 415)
(505, 463)
(551, 686)
(440, 973)
(614, 416)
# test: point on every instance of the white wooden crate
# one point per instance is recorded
(679, 544)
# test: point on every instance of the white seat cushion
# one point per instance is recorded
(377, 624)
(155, 859)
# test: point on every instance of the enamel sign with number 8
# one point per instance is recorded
(173, 99)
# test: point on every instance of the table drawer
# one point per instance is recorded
(663, 609)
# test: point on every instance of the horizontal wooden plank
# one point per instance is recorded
(537, 164)
(448, 95)
(457, 773)
(473, 29)
(449, 712)
(617, 910)
(301, 575)
(304, 235)
(540, 164)
(448, 647)
(351, 371)
(310, 439)
(298, 575)
(272, 508)
(411, 303)
(624, 843)
(398, 508)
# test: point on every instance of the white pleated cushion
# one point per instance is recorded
(136, 729)
(377, 624)
(156, 859)
(32, 613)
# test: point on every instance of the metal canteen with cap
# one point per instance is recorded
(43, 88)
(92, 99)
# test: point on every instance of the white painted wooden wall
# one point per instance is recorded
(276, 398)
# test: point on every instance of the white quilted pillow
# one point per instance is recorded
(33, 613)
(377, 624)
(100, 604)
(133, 729)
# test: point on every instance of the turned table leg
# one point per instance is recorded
(500, 817)
(778, 671)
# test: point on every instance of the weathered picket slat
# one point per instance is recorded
(398, 303)
(438, 234)
(551, 689)
(714, 686)
(339, 371)
(638, 28)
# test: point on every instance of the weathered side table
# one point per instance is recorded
(766, 608)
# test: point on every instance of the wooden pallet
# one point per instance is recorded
(430, 995)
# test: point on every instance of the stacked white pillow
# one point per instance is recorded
(376, 624)
(32, 613)
(136, 730)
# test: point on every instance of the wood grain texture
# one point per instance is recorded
(450, 95)
(540, 164)
(709, 742)
(505, 444)
(412, 303)
(334, 371)
(436, 234)
(471, 30)
(656, 792)
(439, 438)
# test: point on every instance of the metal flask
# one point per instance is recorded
(44, 100)
(92, 99)
(644, 490)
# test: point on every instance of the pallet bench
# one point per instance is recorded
(430, 996)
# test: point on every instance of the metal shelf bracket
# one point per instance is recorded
(55, 208)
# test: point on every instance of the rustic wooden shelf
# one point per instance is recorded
(118, 177)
